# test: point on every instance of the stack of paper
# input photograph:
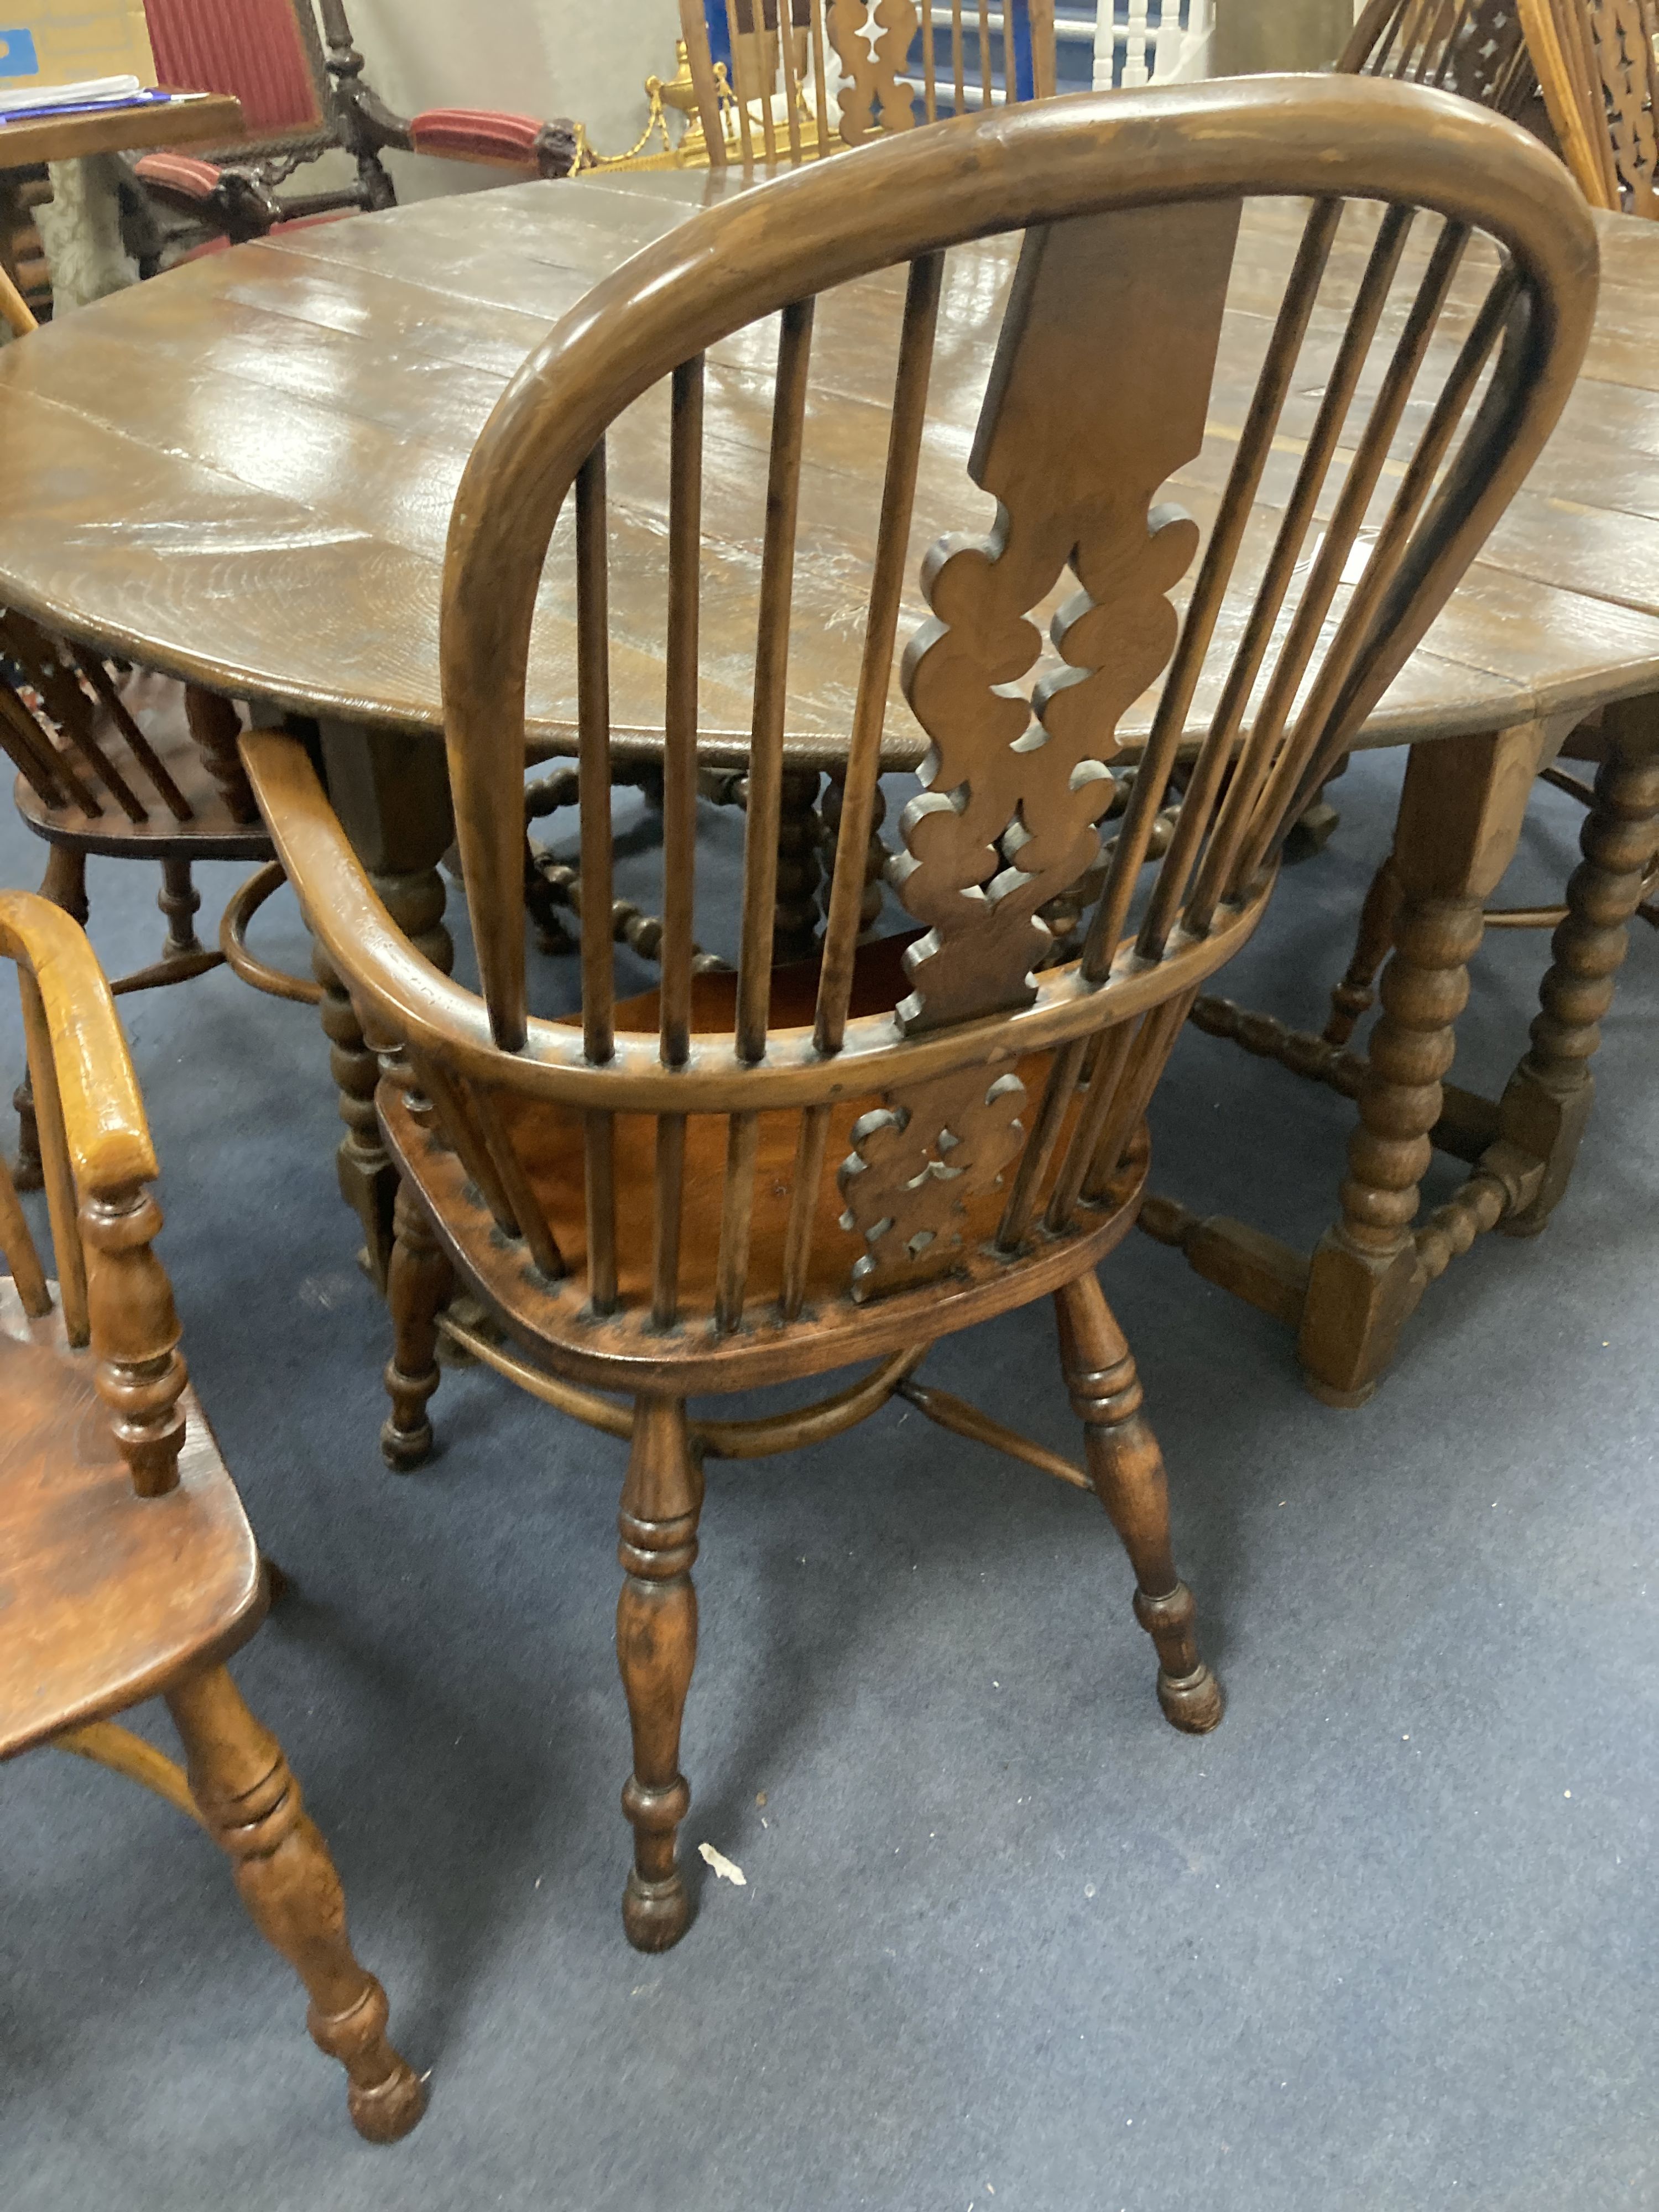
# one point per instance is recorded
(99, 91)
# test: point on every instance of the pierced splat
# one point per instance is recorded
(872, 43)
(1098, 394)
(916, 1160)
(1622, 33)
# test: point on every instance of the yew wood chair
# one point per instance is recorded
(761, 1176)
(1475, 48)
(132, 766)
(304, 93)
(829, 85)
(130, 1571)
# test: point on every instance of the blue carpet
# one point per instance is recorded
(1007, 1943)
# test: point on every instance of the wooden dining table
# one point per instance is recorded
(241, 474)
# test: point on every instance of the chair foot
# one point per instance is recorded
(655, 1914)
(1191, 1701)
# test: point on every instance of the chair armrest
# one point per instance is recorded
(104, 1125)
(238, 203)
(480, 134)
(179, 173)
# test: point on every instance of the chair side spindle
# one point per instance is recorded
(760, 862)
(63, 1208)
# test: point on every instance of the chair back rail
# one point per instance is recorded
(846, 71)
(990, 1068)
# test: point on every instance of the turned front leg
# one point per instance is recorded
(1460, 812)
(1547, 1105)
(1127, 1468)
(418, 1283)
(251, 1805)
(656, 1650)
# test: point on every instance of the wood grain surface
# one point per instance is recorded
(242, 472)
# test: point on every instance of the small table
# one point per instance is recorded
(83, 247)
(242, 475)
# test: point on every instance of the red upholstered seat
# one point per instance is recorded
(252, 48)
(477, 134)
(277, 230)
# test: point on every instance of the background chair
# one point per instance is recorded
(827, 86)
(133, 766)
(761, 1176)
(1596, 65)
(303, 95)
(130, 1570)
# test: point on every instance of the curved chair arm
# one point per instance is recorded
(236, 201)
(500, 140)
(105, 1129)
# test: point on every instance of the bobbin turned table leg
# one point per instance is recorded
(1545, 1106)
(1460, 819)
(392, 794)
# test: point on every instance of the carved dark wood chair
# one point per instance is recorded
(758, 1177)
(131, 1570)
(304, 93)
(133, 766)
(828, 85)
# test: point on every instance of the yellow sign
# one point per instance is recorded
(52, 42)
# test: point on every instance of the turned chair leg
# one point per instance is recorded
(656, 1650)
(419, 1280)
(180, 901)
(1127, 1468)
(1379, 920)
(65, 884)
(251, 1805)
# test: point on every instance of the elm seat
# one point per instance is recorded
(104, 1595)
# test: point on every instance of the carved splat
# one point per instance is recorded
(915, 1162)
(1098, 393)
(1483, 45)
(871, 39)
(1621, 33)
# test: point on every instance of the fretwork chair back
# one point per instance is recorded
(1474, 48)
(763, 1175)
(133, 766)
(840, 78)
(130, 1571)
(1597, 67)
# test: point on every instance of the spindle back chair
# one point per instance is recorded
(842, 76)
(132, 766)
(130, 1571)
(761, 1176)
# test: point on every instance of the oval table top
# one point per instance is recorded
(241, 473)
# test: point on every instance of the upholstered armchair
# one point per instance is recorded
(300, 82)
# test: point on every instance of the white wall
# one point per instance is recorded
(584, 58)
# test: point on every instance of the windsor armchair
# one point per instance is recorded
(304, 93)
(913, 70)
(139, 769)
(130, 1570)
(759, 1177)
